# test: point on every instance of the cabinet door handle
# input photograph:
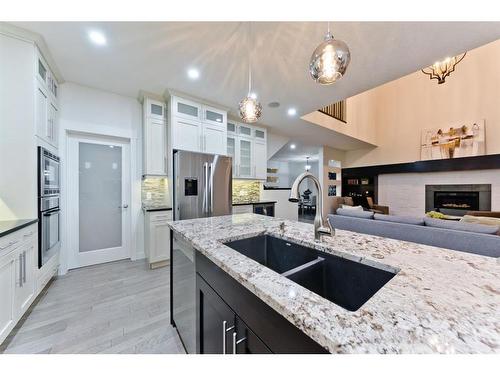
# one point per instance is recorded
(225, 330)
(236, 342)
(24, 267)
(20, 270)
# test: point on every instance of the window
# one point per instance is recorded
(336, 110)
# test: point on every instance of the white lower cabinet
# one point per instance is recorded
(157, 237)
(18, 271)
(25, 277)
(7, 287)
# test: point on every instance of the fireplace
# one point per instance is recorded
(457, 199)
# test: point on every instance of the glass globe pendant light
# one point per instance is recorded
(250, 108)
(329, 60)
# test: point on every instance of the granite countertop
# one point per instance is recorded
(252, 203)
(440, 301)
(10, 226)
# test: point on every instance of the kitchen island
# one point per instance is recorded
(438, 301)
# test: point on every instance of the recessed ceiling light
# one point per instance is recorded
(193, 73)
(97, 38)
(292, 112)
(292, 146)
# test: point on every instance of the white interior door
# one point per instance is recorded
(99, 199)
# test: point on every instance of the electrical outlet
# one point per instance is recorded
(148, 195)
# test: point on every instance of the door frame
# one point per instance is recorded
(71, 200)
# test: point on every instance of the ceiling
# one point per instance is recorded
(154, 56)
(299, 153)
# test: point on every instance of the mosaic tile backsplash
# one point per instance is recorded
(158, 189)
(246, 191)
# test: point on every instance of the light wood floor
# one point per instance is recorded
(119, 307)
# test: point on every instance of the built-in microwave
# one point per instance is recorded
(48, 172)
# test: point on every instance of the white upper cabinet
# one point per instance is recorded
(247, 145)
(214, 139)
(260, 160)
(245, 158)
(245, 130)
(155, 154)
(183, 108)
(198, 127)
(231, 127)
(187, 135)
(214, 116)
(46, 101)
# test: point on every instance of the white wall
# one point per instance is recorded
(401, 109)
(327, 154)
(18, 159)
(274, 143)
(405, 193)
(93, 111)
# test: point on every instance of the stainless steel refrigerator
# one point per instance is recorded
(202, 185)
(202, 188)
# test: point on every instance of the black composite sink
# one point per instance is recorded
(344, 282)
(272, 252)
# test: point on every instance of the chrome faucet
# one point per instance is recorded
(319, 228)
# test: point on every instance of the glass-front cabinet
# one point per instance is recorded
(245, 154)
(247, 145)
(214, 116)
(187, 109)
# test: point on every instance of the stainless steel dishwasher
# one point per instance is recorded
(183, 286)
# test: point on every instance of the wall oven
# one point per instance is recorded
(48, 172)
(49, 225)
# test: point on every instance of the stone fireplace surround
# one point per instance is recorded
(404, 193)
(474, 194)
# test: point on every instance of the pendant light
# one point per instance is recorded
(250, 108)
(329, 60)
(308, 167)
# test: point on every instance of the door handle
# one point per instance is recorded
(123, 206)
(225, 330)
(236, 342)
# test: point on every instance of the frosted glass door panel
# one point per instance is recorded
(100, 196)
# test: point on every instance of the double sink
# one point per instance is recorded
(344, 282)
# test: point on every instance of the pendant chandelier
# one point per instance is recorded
(442, 69)
(250, 108)
(329, 60)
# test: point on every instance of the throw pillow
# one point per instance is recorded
(347, 207)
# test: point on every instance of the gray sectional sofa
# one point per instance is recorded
(466, 237)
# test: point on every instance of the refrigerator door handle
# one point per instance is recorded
(211, 190)
(205, 190)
